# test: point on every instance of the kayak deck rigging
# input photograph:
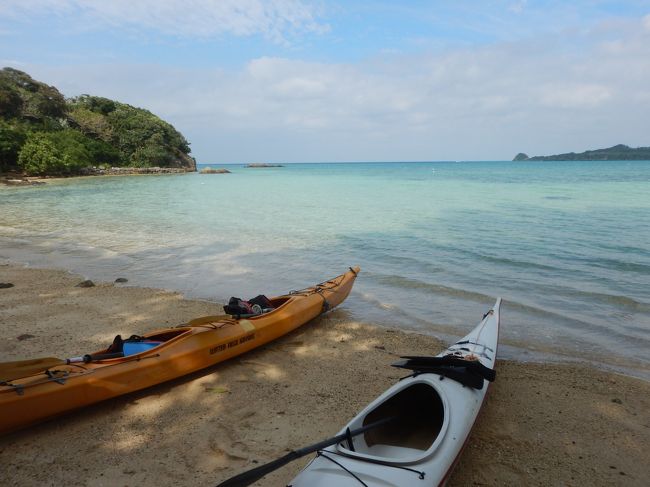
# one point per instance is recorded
(321, 454)
(470, 373)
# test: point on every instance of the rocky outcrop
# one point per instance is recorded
(117, 171)
(20, 181)
(97, 171)
(210, 170)
(186, 161)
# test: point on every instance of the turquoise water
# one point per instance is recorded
(566, 244)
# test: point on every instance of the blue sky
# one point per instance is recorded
(292, 80)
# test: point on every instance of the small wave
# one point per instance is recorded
(624, 249)
(405, 320)
(618, 265)
(410, 283)
(546, 314)
(593, 297)
(392, 255)
(617, 300)
(521, 264)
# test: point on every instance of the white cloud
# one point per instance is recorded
(574, 95)
(473, 103)
(518, 7)
(274, 19)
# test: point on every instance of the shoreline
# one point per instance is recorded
(16, 179)
(519, 351)
(542, 424)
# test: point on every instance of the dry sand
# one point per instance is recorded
(541, 425)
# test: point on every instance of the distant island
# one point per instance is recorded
(618, 152)
(262, 164)
(43, 133)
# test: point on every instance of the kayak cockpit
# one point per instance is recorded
(166, 335)
(277, 302)
(136, 344)
(414, 423)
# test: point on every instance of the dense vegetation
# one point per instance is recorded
(42, 132)
(616, 153)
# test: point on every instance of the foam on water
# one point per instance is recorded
(566, 244)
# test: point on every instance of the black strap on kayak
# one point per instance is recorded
(18, 388)
(420, 473)
(321, 454)
(470, 373)
(58, 376)
(349, 439)
(326, 304)
(467, 342)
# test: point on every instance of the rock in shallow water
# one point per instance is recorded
(21, 182)
(121, 280)
(86, 283)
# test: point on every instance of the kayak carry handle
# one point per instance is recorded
(253, 475)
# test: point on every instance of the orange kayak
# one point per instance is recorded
(35, 390)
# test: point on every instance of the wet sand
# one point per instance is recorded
(542, 424)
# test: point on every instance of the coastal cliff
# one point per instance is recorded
(43, 133)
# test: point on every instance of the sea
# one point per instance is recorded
(565, 244)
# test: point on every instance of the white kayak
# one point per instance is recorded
(423, 421)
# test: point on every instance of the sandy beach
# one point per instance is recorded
(543, 424)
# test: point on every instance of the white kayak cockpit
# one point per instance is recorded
(414, 422)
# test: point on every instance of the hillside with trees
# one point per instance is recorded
(43, 133)
(618, 152)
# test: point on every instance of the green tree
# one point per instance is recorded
(91, 123)
(11, 102)
(101, 153)
(39, 155)
(38, 99)
(12, 138)
(143, 138)
(152, 153)
(96, 104)
(61, 153)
